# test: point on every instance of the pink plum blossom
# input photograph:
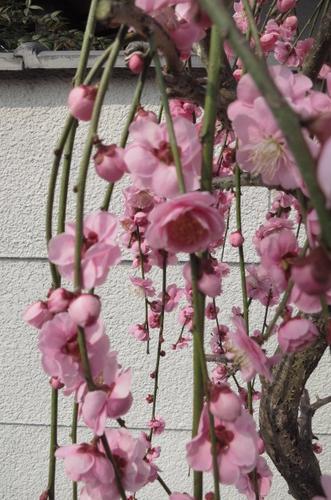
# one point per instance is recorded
(85, 309)
(243, 351)
(210, 276)
(81, 101)
(264, 479)
(172, 298)
(150, 160)
(135, 62)
(85, 462)
(312, 273)
(296, 334)
(157, 424)
(144, 285)
(140, 332)
(59, 300)
(60, 356)
(37, 314)
(113, 400)
(236, 239)
(285, 5)
(109, 162)
(189, 223)
(308, 303)
(99, 249)
(186, 109)
(236, 447)
(224, 403)
(259, 285)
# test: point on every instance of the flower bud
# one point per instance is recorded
(85, 309)
(285, 5)
(81, 101)
(236, 239)
(109, 163)
(136, 63)
(59, 300)
(37, 314)
(55, 383)
(224, 403)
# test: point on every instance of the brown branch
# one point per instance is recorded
(246, 180)
(320, 403)
(321, 51)
(287, 444)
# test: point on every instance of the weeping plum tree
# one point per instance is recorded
(259, 116)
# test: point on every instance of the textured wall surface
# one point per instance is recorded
(31, 113)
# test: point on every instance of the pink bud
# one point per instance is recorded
(268, 41)
(285, 5)
(85, 310)
(109, 162)
(55, 383)
(81, 101)
(44, 495)
(37, 314)
(140, 218)
(136, 63)
(236, 239)
(59, 300)
(224, 403)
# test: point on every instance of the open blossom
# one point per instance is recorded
(37, 314)
(60, 356)
(312, 273)
(150, 160)
(236, 445)
(264, 479)
(308, 303)
(144, 285)
(210, 277)
(259, 285)
(157, 424)
(296, 334)
(113, 400)
(243, 351)
(139, 331)
(188, 223)
(99, 249)
(85, 462)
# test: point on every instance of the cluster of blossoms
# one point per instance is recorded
(158, 224)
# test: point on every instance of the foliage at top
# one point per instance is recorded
(21, 21)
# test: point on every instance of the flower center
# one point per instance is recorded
(164, 153)
(265, 156)
(186, 230)
(224, 437)
(89, 240)
(72, 348)
(120, 462)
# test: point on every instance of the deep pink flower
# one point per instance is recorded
(224, 403)
(99, 250)
(244, 352)
(150, 161)
(37, 314)
(109, 162)
(157, 424)
(296, 334)
(236, 447)
(113, 400)
(85, 462)
(324, 172)
(85, 309)
(135, 62)
(188, 223)
(81, 101)
(58, 343)
(326, 484)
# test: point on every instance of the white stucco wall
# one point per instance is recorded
(32, 110)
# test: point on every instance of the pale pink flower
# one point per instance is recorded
(218, 336)
(186, 109)
(245, 353)
(109, 162)
(81, 101)
(137, 200)
(259, 285)
(144, 285)
(210, 279)
(58, 343)
(85, 462)
(219, 374)
(240, 17)
(85, 309)
(172, 298)
(308, 303)
(285, 5)
(99, 249)
(157, 424)
(37, 314)
(113, 400)
(326, 485)
(211, 311)
(224, 403)
(150, 160)
(189, 223)
(58, 300)
(236, 447)
(324, 172)
(273, 225)
(264, 479)
(312, 273)
(296, 334)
